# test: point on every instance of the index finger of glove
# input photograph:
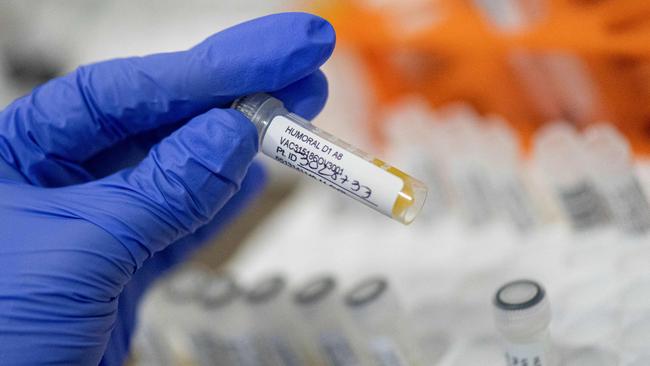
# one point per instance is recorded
(73, 117)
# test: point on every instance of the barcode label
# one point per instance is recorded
(584, 206)
(518, 205)
(630, 207)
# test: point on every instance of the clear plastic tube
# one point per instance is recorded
(293, 141)
(182, 292)
(410, 130)
(468, 165)
(277, 332)
(513, 196)
(224, 333)
(339, 344)
(560, 154)
(387, 338)
(613, 170)
(523, 315)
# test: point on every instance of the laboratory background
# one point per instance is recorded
(527, 120)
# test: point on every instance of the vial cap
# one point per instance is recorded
(521, 308)
(186, 285)
(266, 289)
(366, 292)
(315, 290)
(519, 295)
(250, 104)
(219, 291)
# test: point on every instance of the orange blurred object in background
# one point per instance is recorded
(531, 61)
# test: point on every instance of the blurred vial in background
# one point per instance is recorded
(522, 316)
(378, 315)
(613, 171)
(223, 334)
(409, 128)
(182, 292)
(467, 166)
(158, 339)
(558, 151)
(512, 194)
(320, 307)
(277, 334)
(594, 246)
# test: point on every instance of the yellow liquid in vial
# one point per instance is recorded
(410, 199)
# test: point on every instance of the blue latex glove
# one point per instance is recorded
(86, 223)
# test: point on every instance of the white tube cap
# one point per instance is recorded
(521, 309)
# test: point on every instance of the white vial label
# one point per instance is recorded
(297, 147)
(533, 354)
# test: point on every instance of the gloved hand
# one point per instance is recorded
(86, 226)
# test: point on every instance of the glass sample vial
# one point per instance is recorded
(293, 141)
(560, 154)
(338, 342)
(276, 332)
(182, 292)
(523, 315)
(224, 333)
(381, 321)
(218, 295)
(613, 169)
